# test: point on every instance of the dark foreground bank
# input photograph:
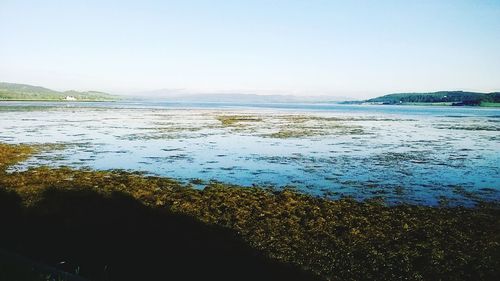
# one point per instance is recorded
(125, 226)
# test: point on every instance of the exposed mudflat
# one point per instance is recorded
(427, 156)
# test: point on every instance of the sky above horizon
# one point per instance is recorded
(341, 48)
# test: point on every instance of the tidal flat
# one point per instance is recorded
(401, 154)
(308, 193)
(118, 225)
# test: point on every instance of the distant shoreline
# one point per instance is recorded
(442, 98)
(34, 102)
(55, 100)
(447, 104)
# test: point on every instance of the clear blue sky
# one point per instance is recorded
(345, 48)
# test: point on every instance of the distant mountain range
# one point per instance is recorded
(454, 98)
(180, 95)
(12, 91)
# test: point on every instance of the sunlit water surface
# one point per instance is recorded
(425, 155)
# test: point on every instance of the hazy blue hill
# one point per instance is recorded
(183, 95)
(13, 91)
(453, 97)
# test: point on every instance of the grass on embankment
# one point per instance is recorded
(128, 223)
(490, 104)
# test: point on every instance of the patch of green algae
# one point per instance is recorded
(236, 120)
(12, 154)
(337, 240)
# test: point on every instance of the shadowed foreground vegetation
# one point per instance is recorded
(125, 226)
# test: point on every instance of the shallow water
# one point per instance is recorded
(413, 154)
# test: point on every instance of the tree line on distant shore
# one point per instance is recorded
(454, 97)
(12, 91)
